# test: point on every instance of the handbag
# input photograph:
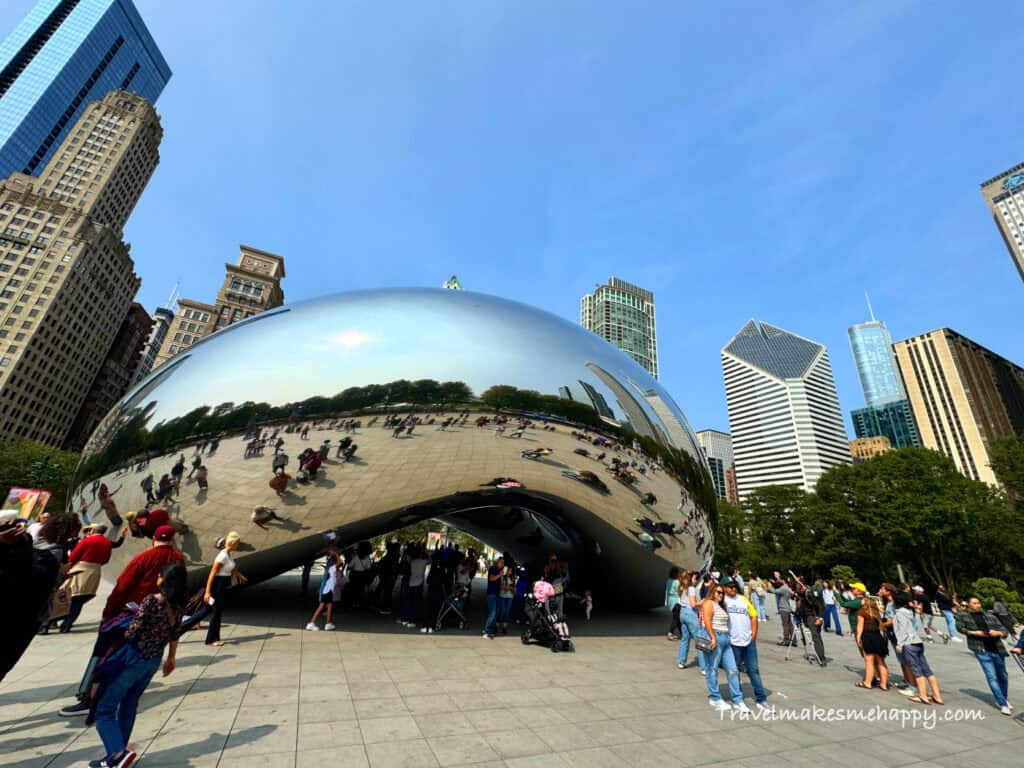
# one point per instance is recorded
(703, 643)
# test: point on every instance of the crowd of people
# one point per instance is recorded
(721, 616)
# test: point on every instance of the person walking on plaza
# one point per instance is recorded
(1002, 613)
(688, 625)
(137, 581)
(758, 592)
(331, 585)
(85, 564)
(809, 611)
(872, 643)
(743, 638)
(910, 644)
(713, 633)
(672, 602)
(494, 574)
(985, 634)
(221, 574)
(127, 672)
(828, 599)
(947, 607)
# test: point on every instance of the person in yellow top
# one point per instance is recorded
(743, 638)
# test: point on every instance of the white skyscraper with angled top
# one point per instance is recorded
(784, 414)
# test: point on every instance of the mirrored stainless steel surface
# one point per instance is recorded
(304, 373)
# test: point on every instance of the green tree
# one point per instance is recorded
(29, 464)
(1007, 459)
(843, 573)
(730, 535)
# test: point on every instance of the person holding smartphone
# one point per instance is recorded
(985, 634)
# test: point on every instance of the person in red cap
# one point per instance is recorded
(136, 582)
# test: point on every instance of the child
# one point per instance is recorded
(330, 590)
(588, 602)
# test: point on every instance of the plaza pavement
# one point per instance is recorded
(374, 694)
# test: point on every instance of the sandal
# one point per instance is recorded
(940, 702)
(886, 689)
(860, 684)
(919, 700)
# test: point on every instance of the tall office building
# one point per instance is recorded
(783, 409)
(964, 397)
(66, 277)
(1004, 195)
(717, 448)
(887, 412)
(64, 55)
(161, 322)
(251, 286)
(114, 377)
(623, 314)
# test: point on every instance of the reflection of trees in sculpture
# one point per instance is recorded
(503, 396)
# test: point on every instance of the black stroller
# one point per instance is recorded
(454, 605)
(546, 627)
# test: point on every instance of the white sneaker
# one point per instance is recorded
(329, 626)
(764, 706)
(957, 639)
(1006, 711)
(312, 627)
(742, 708)
(719, 705)
(681, 666)
(907, 691)
(1010, 706)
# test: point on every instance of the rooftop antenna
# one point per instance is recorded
(172, 300)
(870, 310)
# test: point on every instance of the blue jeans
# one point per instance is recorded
(994, 666)
(759, 604)
(746, 656)
(492, 613)
(504, 609)
(832, 614)
(950, 623)
(687, 630)
(115, 712)
(721, 656)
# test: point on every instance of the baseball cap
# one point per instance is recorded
(918, 588)
(727, 582)
(163, 533)
(859, 585)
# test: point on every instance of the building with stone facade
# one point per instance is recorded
(965, 397)
(1004, 195)
(67, 279)
(252, 285)
(114, 377)
(161, 322)
(864, 448)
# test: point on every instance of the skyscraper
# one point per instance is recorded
(887, 412)
(623, 314)
(64, 55)
(1004, 195)
(784, 414)
(161, 319)
(964, 397)
(717, 448)
(250, 286)
(67, 277)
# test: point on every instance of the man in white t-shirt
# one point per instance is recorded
(831, 609)
(743, 638)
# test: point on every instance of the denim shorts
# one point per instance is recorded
(914, 656)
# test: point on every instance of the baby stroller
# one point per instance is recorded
(545, 627)
(455, 604)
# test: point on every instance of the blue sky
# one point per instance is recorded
(742, 159)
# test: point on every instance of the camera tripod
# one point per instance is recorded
(810, 653)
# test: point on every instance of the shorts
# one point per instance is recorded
(327, 598)
(914, 656)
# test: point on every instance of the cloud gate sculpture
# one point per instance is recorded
(606, 472)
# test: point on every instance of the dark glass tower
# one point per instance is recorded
(64, 55)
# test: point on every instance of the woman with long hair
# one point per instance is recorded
(714, 633)
(222, 572)
(687, 606)
(127, 672)
(872, 644)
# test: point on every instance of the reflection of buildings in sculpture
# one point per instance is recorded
(784, 414)
(623, 314)
(678, 435)
(717, 448)
(635, 414)
(161, 322)
(111, 383)
(251, 286)
(598, 401)
(452, 284)
(564, 393)
(74, 281)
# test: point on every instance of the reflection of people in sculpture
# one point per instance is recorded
(279, 462)
(279, 482)
(263, 515)
(202, 477)
(143, 524)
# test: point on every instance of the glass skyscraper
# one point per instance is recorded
(887, 412)
(876, 363)
(623, 314)
(64, 55)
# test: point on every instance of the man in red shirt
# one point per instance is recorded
(84, 566)
(137, 581)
